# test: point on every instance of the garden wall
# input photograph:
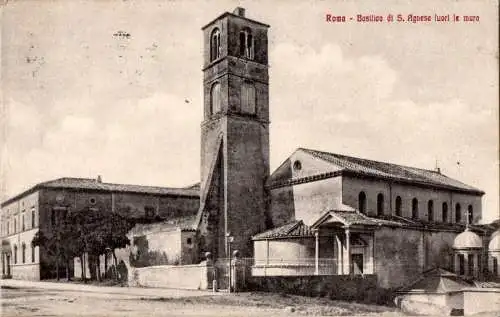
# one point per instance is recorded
(195, 276)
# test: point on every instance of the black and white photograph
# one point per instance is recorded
(249, 158)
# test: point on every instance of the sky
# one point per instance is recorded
(80, 101)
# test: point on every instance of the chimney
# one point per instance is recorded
(239, 11)
(99, 179)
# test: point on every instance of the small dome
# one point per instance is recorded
(494, 244)
(467, 240)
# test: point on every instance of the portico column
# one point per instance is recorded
(340, 261)
(316, 252)
(348, 250)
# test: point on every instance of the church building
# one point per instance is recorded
(319, 213)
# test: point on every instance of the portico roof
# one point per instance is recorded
(294, 229)
(344, 219)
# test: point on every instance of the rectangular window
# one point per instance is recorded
(33, 253)
(248, 98)
(33, 217)
(22, 222)
(495, 266)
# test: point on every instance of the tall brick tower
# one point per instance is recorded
(234, 132)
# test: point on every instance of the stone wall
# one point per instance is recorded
(403, 254)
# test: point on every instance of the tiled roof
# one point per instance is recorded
(354, 218)
(436, 280)
(92, 184)
(290, 230)
(391, 171)
(350, 218)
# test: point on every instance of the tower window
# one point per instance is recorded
(414, 208)
(430, 211)
(215, 46)
(248, 98)
(380, 205)
(398, 206)
(53, 218)
(215, 99)
(458, 213)
(445, 212)
(362, 202)
(470, 214)
(246, 44)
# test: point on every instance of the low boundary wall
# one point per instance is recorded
(481, 300)
(196, 276)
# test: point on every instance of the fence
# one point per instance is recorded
(300, 266)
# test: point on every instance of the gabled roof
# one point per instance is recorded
(346, 218)
(94, 185)
(358, 167)
(293, 229)
(436, 280)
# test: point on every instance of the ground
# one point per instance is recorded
(54, 299)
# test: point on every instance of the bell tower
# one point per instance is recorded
(234, 133)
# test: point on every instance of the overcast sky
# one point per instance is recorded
(81, 102)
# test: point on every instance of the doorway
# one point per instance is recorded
(357, 263)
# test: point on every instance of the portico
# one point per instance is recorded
(338, 243)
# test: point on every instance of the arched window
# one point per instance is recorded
(380, 205)
(248, 98)
(470, 214)
(15, 254)
(215, 99)
(398, 206)
(215, 47)
(362, 202)
(414, 208)
(458, 213)
(444, 214)
(23, 254)
(246, 44)
(430, 210)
